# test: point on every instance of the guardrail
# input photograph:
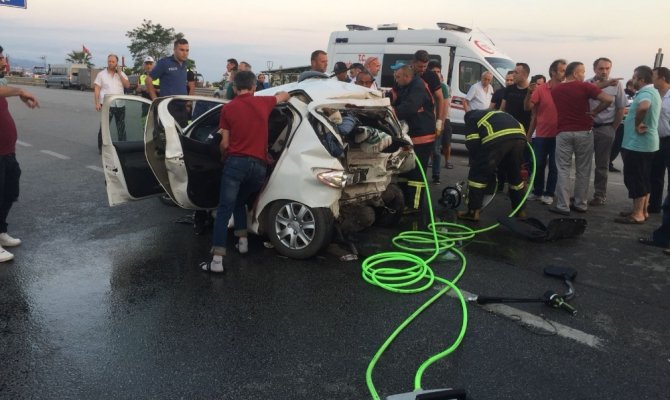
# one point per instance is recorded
(20, 80)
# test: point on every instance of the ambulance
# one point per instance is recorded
(463, 54)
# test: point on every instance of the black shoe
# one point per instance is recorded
(612, 169)
(436, 180)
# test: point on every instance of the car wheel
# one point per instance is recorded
(394, 203)
(167, 200)
(299, 231)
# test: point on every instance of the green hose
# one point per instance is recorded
(405, 272)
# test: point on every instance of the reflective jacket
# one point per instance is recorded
(487, 127)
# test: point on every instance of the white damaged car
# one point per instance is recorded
(335, 146)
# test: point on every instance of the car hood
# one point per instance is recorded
(325, 89)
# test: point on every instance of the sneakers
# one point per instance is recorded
(8, 241)
(613, 169)
(436, 180)
(533, 197)
(547, 200)
(5, 255)
(597, 201)
(243, 245)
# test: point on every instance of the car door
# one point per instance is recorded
(127, 172)
(185, 157)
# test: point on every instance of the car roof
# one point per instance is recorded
(323, 89)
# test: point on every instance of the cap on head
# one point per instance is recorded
(340, 67)
(149, 59)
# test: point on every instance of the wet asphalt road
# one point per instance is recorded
(108, 303)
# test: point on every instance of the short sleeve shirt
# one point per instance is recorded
(545, 112)
(246, 118)
(479, 98)
(109, 83)
(514, 98)
(647, 142)
(606, 116)
(172, 76)
(572, 105)
(432, 80)
(445, 91)
(7, 129)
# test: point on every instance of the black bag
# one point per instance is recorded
(533, 229)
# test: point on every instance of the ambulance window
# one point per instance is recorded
(391, 59)
(469, 73)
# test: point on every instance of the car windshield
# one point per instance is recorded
(502, 65)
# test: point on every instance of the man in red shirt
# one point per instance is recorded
(10, 172)
(244, 145)
(539, 101)
(575, 121)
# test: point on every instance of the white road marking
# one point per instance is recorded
(95, 168)
(24, 144)
(539, 323)
(54, 154)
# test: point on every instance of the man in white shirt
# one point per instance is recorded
(111, 81)
(479, 95)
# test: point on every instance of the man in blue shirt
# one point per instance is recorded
(172, 73)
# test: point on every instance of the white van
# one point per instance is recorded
(64, 75)
(463, 55)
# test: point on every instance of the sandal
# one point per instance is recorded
(628, 221)
(449, 166)
(207, 267)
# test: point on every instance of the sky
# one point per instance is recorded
(286, 32)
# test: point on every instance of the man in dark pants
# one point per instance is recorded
(495, 141)
(10, 172)
(413, 103)
(661, 161)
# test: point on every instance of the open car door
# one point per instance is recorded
(126, 169)
(185, 156)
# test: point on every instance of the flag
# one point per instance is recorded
(85, 50)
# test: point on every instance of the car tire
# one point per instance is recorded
(165, 199)
(394, 204)
(298, 231)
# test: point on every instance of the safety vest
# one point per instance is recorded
(143, 79)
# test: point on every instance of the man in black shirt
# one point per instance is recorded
(497, 98)
(515, 94)
(420, 67)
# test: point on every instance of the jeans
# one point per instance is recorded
(242, 177)
(545, 147)
(579, 143)
(437, 156)
(9, 187)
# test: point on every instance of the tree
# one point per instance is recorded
(79, 57)
(151, 39)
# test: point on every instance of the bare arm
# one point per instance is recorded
(447, 107)
(282, 97)
(28, 98)
(503, 104)
(124, 79)
(466, 105)
(225, 141)
(609, 82)
(640, 114)
(439, 104)
(191, 88)
(151, 90)
(96, 97)
(527, 104)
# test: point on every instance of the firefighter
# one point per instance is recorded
(495, 141)
(413, 103)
